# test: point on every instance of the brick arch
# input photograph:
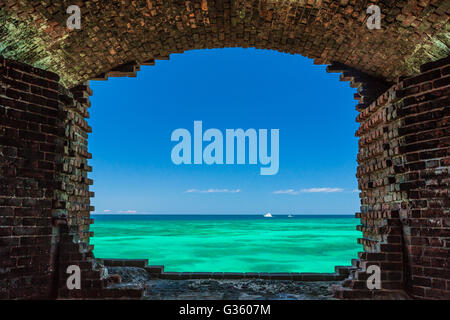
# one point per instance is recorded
(115, 34)
(402, 76)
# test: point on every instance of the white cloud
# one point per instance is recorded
(128, 211)
(107, 210)
(309, 190)
(326, 190)
(213, 191)
(356, 191)
(289, 191)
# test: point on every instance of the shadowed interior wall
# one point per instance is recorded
(32, 143)
(422, 172)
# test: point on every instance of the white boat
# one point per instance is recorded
(290, 216)
(268, 215)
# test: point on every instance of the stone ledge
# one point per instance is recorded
(340, 274)
(140, 263)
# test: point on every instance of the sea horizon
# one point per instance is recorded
(222, 214)
(229, 242)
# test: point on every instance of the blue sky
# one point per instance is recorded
(133, 119)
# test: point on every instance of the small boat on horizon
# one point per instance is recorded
(268, 215)
(290, 216)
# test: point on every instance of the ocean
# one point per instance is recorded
(229, 243)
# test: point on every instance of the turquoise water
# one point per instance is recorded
(229, 243)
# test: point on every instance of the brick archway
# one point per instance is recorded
(401, 73)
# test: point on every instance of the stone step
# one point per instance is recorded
(155, 269)
(356, 263)
(344, 270)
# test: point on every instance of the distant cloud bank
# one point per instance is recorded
(213, 191)
(115, 211)
(309, 190)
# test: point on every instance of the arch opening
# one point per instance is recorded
(229, 90)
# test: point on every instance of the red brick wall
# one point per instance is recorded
(380, 199)
(424, 180)
(73, 198)
(403, 176)
(31, 130)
